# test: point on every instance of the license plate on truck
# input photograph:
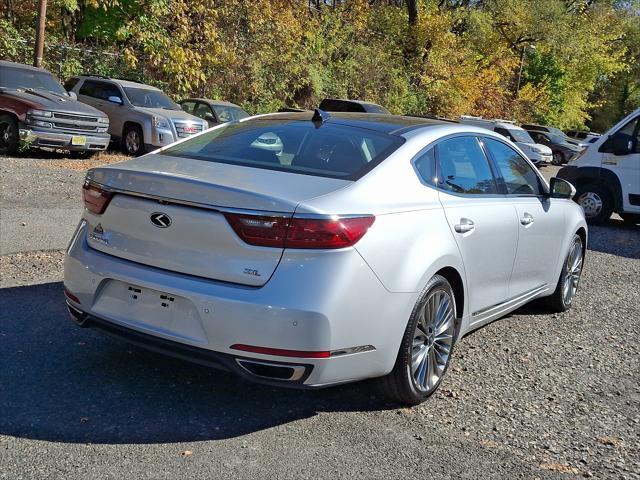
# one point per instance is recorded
(78, 140)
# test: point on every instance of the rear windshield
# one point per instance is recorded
(327, 150)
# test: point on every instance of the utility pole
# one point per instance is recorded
(39, 47)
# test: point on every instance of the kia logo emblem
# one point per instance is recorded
(160, 220)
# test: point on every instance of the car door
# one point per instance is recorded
(203, 111)
(482, 222)
(97, 93)
(626, 167)
(540, 219)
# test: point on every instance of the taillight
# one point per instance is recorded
(327, 232)
(96, 199)
(261, 230)
(298, 232)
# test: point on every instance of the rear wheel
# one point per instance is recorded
(426, 347)
(567, 285)
(8, 135)
(133, 140)
(596, 202)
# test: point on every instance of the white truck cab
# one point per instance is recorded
(607, 173)
(536, 152)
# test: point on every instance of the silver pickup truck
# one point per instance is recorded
(142, 118)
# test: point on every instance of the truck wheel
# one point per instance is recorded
(596, 203)
(133, 140)
(8, 135)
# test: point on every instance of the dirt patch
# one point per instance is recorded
(81, 165)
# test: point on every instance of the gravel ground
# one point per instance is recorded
(533, 395)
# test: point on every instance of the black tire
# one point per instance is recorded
(558, 302)
(9, 135)
(557, 158)
(400, 385)
(133, 140)
(588, 197)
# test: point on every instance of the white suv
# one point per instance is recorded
(607, 174)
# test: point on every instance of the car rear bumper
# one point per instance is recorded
(65, 141)
(315, 302)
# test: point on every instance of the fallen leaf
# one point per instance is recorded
(187, 453)
(558, 467)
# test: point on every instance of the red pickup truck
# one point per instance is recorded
(36, 109)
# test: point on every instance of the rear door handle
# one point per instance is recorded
(526, 219)
(464, 226)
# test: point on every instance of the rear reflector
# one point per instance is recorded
(96, 199)
(281, 352)
(295, 232)
(71, 296)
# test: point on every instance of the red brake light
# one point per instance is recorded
(327, 232)
(287, 232)
(281, 352)
(261, 230)
(96, 199)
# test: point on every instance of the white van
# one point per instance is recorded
(607, 173)
(536, 152)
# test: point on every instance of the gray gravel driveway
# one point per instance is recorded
(533, 395)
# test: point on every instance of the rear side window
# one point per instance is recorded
(518, 174)
(463, 167)
(336, 151)
(188, 106)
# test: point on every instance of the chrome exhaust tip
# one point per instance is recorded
(272, 371)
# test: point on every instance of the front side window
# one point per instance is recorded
(540, 138)
(99, 90)
(229, 113)
(203, 111)
(462, 167)
(632, 128)
(518, 175)
(145, 97)
(295, 146)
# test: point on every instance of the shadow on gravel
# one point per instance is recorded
(616, 238)
(62, 383)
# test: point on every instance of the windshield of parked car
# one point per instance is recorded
(296, 146)
(229, 113)
(515, 135)
(144, 97)
(24, 78)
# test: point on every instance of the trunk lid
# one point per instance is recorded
(197, 239)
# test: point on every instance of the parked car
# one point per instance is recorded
(346, 105)
(142, 117)
(562, 151)
(214, 112)
(530, 127)
(365, 256)
(607, 174)
(34, 107)
(583, 136)
(536, 152)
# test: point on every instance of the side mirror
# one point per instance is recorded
(73, 95)
(560, 188)
(114, 99)
(621, 143)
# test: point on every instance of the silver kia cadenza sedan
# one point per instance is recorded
(366, 247)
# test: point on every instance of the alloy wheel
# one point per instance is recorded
(132, 141)
(572, 272)
(432, 340)
(591, 204)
